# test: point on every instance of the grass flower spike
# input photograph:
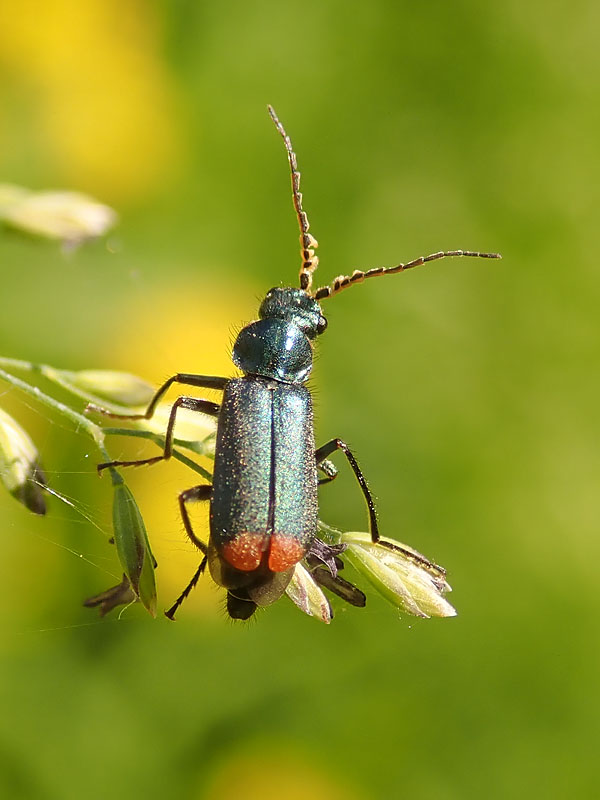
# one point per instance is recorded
(404, 577)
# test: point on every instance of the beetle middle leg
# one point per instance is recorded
(330, 472)
(191, 403)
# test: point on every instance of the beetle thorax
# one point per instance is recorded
(278, 345)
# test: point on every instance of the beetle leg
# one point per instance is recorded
(170, 613)
(202, 381)
(330, 470)
(191, 403)
(337, 444)
(195, 494)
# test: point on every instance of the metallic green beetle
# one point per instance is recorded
(263, 499)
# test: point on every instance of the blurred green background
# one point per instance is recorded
(468, 389)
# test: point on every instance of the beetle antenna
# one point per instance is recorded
(358, 276)
(308, 243)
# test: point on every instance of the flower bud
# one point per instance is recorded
(20, 469)
(132, 544)
(404, 577)
(116, 387)
(69, 216)
(304, 591)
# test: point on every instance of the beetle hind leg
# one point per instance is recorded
(170, 613)
(330, 472)
(196, 493)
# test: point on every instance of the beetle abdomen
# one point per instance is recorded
(264, 500)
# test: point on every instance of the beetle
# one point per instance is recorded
(263, 498)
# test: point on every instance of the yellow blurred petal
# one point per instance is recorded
(103, 102)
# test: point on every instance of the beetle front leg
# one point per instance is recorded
(191, 403)
(321, 456)
(186, 378)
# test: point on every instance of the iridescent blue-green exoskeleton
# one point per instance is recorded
(263, 499)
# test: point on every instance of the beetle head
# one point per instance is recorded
(295, 306)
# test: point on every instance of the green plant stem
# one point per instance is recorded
(77, 419)
(81, 423)
(56, 377)
(95, 431)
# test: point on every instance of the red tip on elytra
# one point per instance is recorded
(285, 551)
(245, 552)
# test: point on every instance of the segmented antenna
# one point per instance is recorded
(358, 276)
(308, 243)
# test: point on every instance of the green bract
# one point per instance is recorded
(132, 544)
(304, 591)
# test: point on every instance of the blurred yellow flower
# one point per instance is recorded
(102, 101)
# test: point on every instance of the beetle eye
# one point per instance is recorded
(321, 325)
